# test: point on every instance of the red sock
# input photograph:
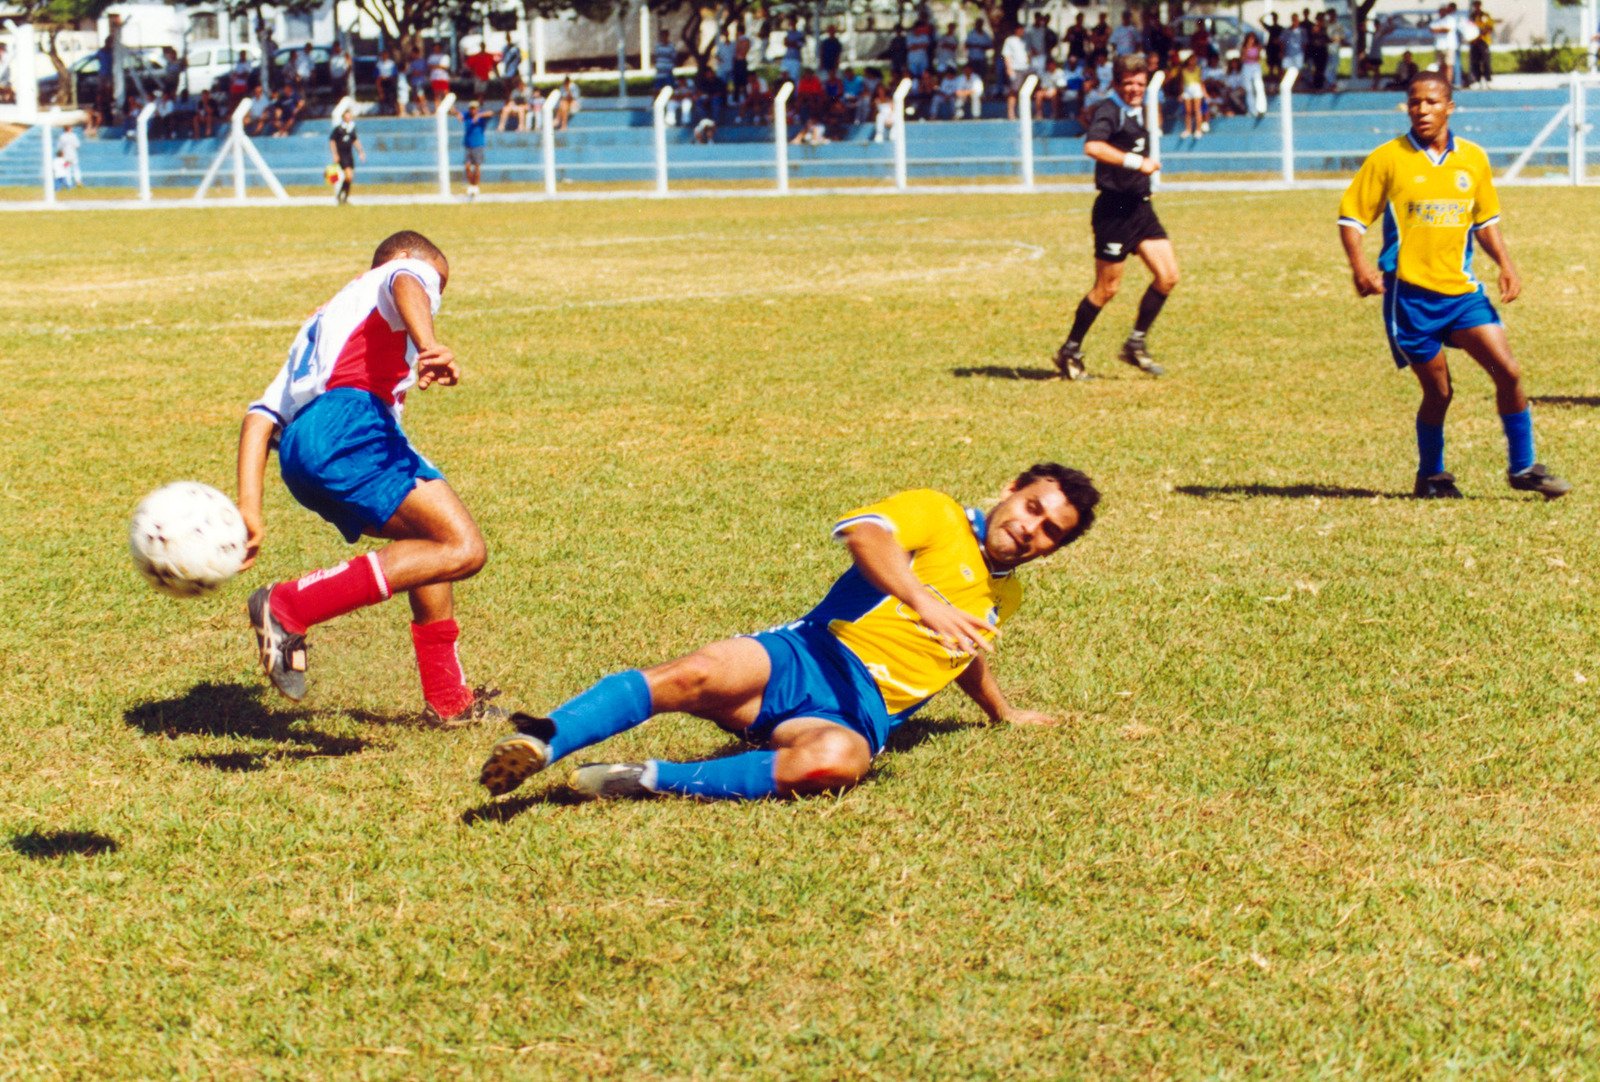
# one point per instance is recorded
(331, 592)
(444, 686)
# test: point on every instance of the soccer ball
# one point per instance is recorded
(187, 539)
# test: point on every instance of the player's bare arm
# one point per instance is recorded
(978, 681)
(436, 362)
(883, 562)
(1102, 151)
(1367, 277)
(1495, 244)
(255, 441)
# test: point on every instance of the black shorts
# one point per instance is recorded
(347, 159)
(1122, 223)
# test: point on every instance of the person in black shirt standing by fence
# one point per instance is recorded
(1124, 221)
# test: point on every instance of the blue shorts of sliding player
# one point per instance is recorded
(1419, 321)
(345, 458)
(814, 675)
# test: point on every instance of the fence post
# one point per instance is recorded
(1152, 123)
(1286, 118)
(236, 141)
(663, 99)
(547, 139)
(142, 144)
(47, 144)
(900, 93)
(1025, 123)
(780, 133)
(441, 130)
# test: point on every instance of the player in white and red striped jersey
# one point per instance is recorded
(334, 412)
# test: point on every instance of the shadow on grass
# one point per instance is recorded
(233, 710)
(1565, 399)
(503, 811)
(55, 844)
(920, 730)
(1292, 492)
(1000, 371)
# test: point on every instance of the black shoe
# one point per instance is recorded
(1134, 353)
(479, 709)
(611, 781)
(516, 758)
(1538, 478)
(1439, 486)
(283, 654)
(1069, 360)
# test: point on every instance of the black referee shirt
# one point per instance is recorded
(1123, 127)
(345, 140)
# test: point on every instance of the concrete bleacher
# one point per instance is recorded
(611, 140)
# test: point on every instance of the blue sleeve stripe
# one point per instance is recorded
(274, 414)
(844, 524)
(1353, 224)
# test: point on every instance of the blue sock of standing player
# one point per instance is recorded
(1430, 449)
(1519, 439)
(614, 705)
(750, 776)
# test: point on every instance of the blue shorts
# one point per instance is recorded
(1420, 322)
(814, 675)
(345, 458)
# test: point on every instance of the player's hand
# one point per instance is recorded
(1149, 167)
(956, 629)
(1510, 284)
(254, 530)
(1368, 281)
(437, 364)
(1030, 717)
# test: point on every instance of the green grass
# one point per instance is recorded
(1325, 797)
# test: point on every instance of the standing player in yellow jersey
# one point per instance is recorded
(1436, 194)
(920, 609)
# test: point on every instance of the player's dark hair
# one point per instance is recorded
(1133, 63)
(1432, 77)
(407, 240)
(1075, 486)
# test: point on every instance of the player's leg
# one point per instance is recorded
(1488, 345)
(1107, 280)
(722, 682)
(1161, 259)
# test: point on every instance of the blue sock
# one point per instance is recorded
(750, 776)
(614, 705)
(1519, 439)
(1430, 449)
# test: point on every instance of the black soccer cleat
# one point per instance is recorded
(516, 758)
(1134, 353)
(1538, 478)
(283, 654)
(1438, 486)
(611, 781)
(480, 709)
(1069, 361)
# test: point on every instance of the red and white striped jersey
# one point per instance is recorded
(355, 340)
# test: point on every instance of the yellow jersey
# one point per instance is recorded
(1431, 208)
(944, 542)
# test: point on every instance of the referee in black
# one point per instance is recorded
(345, 145)
(1124, 221)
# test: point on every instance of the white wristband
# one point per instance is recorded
(1133, 161)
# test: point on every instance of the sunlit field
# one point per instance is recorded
(1323, 799)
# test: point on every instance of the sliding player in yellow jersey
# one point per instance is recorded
(921, 608)
(1436, 196)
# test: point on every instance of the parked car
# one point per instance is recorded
(1404, 29)
(1227, 31)
(209, 63)
(143, 73)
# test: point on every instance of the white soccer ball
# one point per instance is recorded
(187, 539)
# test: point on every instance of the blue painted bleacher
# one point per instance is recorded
(612, 141)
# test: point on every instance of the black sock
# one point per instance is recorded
(1149, 308)
(1081, 322)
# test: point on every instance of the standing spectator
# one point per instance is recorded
(897, 53)
(830, 50)
(67, 146)
(339, 71)
(387, 70)
(794, 43)
(867, 96)
(1274, 48)
(302, 70)
(665, 58)
(1077, 41)
(344, 144)
(710, 91)
(1194, 99)
(511, 64)
(439, 72)
(918, 44)
(979, 44)
(474, 138)
(1294, 45)
(883, 114)
(417, 81)
(1125, 38)
(1317, 51)
(741, 63)
(755, 101)
(1466, 34)
(481, 65)
(1250, 67)
(724, 54)
(1335, 51)
(947, 50)
(238, 81)
(204, 124)
(1037, 39)
(1014, 54)
(1446, 37)
(1482, 66)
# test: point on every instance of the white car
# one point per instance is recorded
(209, 61)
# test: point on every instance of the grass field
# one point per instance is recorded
(1324, 800)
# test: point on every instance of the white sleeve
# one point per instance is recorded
(275, 402)
(417, 269)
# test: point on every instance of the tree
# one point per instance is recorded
(54, 16)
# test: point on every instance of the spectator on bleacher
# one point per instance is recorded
(919, 45)
(755, 101)
(705, 131)
(979, 44)
(387, 71)
(1233, 95)
(947, 50)
(161, 123)
(664, 57)
(339, 71)
(680, 110)
(854, 86)
(1077, 41)
(723, 55)
(808, 101)
(417, 81)
(833, 90)
(259, 117)
(1404, 71)
(511, 65)
(1330, 76)
(1125, 39)
(299, 70)
(67, 146)
(7, 94)
(1316, 30)
(439, 72)
(1035, 37)
(969, 93)
(883, 114)
(239, 81)
(1100, 63)
(1294, 45)
(1480, 63)
(794, 43)
(567, 105)
(1100, 34)
(896, 53)
(710, 91)
(204, 124)
(1014, 55)
(867, 96)
(481, 65)
(514, 115)
(286, 111)
(942, 97)
(173, 67)
(741, 64)
(830, 50)
(1273, 48)
(1051, 93)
